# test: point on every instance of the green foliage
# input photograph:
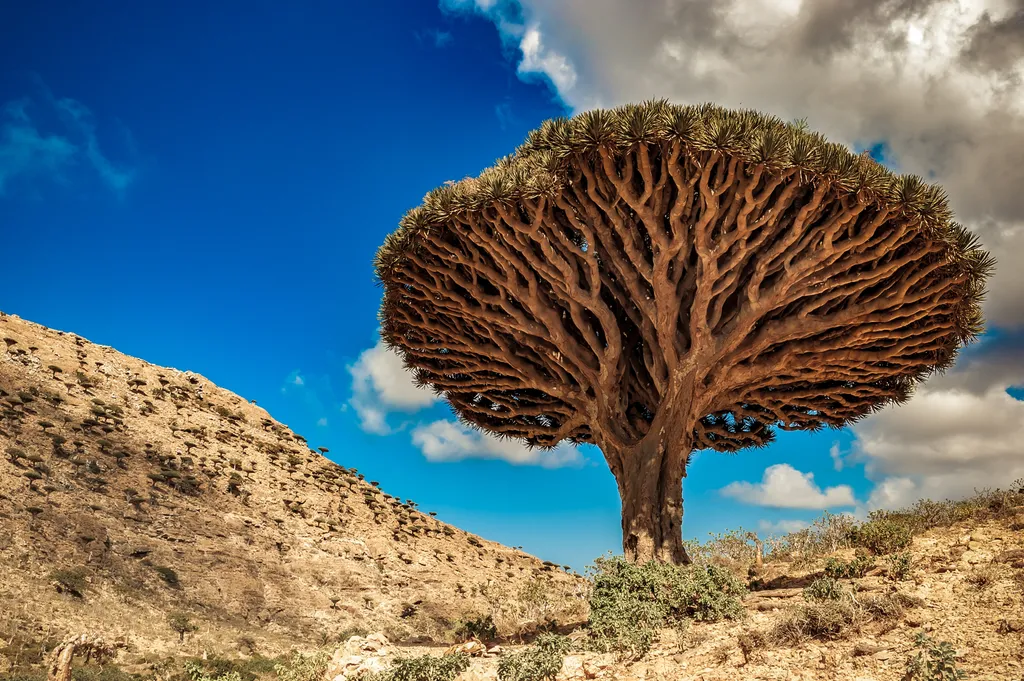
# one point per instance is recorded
(168, 575)
(858, 567)
(900, 565)
(195, 672)
(71, 581)
(181, 624)
(304, 667)
(423, 668)
(824, 589)
(934, 661)
(630, 602)
(540, 662)
(481, 628)
(882, 534)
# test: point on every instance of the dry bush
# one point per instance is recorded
(982, 579)
(752, 644)
(517, 612)
(821, 620)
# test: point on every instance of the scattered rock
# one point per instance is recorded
(1010, 556)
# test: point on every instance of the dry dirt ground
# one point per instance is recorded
(274, 547)
(165, 493)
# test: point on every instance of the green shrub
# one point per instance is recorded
(630, 602)
(900, 565)
(934, 661)
(481, 628)
(540, 662)
(824, 589)
(882, 534)
(181, 624)
(168, 575)
(304, 667)
(858, 567)
(195, 672)
(423, 668)
(71, 582)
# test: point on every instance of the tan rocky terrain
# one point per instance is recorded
(964, 587)
(130, 491)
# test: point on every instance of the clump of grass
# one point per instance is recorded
(829, 620)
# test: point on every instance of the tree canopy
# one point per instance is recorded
(691, 277)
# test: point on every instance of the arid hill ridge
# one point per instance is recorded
(156, 491)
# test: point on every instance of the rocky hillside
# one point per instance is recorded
(130, 491)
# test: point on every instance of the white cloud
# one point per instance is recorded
(297, 380)
(322, 422)
(30, 151)
(837, 456)
(445, 440)
(783, 486)
(962, 431)
(782, 526)
(381, 384)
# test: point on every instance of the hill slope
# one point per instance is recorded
(148, 490)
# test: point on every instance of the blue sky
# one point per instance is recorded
(205, 187)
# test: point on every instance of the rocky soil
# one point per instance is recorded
(156, 491)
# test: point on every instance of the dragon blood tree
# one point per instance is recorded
(657, 279)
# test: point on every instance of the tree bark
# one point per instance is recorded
(650, 479)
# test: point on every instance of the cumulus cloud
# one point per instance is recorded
(446, 440)
(783, 486)
(781, 526)
(381, 384)
(938, 83)
(31, 150)
(962, 431)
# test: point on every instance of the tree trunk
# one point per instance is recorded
(650, 480)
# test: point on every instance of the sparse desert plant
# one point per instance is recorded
(631, 601)
(69, 581)
(168, 575)
(422, 668)
(752, 644)
(181, 624)
(302, 667)
(858, 567)
(540, 662)
(824, 589)
(934, 661)
(900, 565)
(481, 628)
(983, 578)
(823, 620)
(882, 535)
(194, 671)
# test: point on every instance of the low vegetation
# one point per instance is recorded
(631, 602)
